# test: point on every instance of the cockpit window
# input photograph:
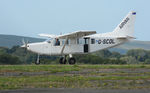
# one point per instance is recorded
(48, 41)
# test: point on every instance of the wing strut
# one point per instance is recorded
(62, 50)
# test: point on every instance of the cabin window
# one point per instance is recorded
(86, 40)
(92, 41)
(68, 42)
(79, 41)
(64, 40)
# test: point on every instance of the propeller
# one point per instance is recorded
(25, 44)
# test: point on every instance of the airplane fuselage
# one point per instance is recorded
(74, 46)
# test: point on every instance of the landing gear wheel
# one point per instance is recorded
(37, 62)
(62, 60)
(72, 61)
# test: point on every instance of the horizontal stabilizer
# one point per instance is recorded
(126, 37)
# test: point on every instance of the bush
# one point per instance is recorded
(9, 59)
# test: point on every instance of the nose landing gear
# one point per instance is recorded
(38, 60)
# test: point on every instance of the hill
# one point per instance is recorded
(12, 40)
(135, 44)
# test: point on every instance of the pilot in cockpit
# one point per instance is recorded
(57, 43)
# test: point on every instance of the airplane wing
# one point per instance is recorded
(76, 34)
(48, 35)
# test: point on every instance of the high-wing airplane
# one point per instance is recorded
(83, 42)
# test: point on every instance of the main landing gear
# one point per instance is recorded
(62, 60)
(71, 60)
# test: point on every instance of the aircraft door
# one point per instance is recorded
(86, 45)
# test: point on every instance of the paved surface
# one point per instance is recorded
(61, 90)
(86, 71)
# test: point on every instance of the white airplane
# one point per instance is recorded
(83, 42)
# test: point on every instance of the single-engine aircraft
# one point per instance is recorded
(83, 42)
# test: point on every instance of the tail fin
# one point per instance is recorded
(126, 27)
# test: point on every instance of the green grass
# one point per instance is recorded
(63, 68)
(58, 81)
(119, 79)
(114, 66)
(35, 68)
(120, 74)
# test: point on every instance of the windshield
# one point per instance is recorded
(48, 40)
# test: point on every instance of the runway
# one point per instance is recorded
(61, 90)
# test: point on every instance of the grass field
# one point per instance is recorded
(75, 76)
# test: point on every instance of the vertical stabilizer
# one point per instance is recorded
(126, 27)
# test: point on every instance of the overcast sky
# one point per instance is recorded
(32, 17)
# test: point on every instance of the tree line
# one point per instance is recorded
(18, 55)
